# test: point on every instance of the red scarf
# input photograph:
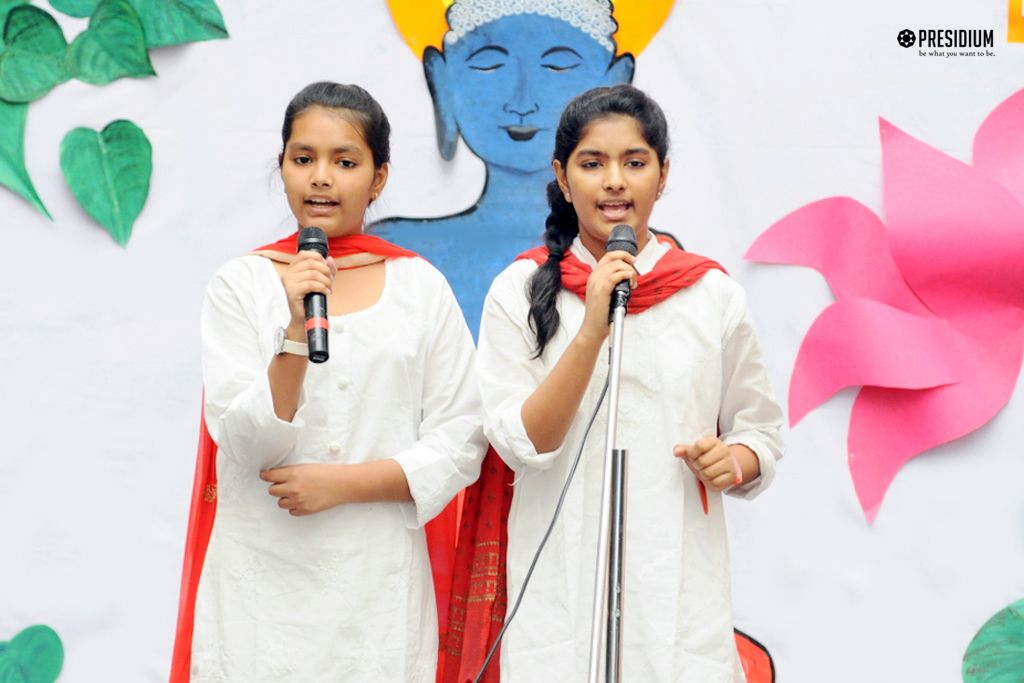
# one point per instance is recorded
(479, 598)
(346, 245)
(441, 531)
(675, 270)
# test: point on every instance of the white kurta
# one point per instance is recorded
(345, 594)
(691, 365)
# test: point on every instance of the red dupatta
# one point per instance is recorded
(478, 599)
(348, 251)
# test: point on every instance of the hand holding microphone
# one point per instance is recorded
(611, 281)
(307, 282)
(623, 238)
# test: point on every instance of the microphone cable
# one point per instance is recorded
(547, 534)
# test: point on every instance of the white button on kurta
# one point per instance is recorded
(345, 594)
(691, 368)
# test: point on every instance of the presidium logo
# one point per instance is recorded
(949, 42)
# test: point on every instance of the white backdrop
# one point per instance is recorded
(773, 103)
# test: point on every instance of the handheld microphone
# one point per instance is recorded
(623, 238)
(314, 239)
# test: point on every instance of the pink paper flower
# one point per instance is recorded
(929, 311)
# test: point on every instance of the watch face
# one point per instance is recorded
(279, 340)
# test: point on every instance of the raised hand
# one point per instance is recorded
(308, 273)
(613, 268)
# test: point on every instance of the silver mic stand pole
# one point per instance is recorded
(607, 619)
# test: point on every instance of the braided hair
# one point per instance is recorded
(562, 224)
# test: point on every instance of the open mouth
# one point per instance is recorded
(521, 133)
(320, 205)
(615, 210)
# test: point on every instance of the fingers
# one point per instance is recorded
(617, 266)
(712, 462)
(310, 272)
(723, 481)
(624, 272)
(278, 474)
(295, 507)
(719, 468)
(306, 281)
(280, 486)
(623, 256)
(288, 490)
(275, 475)
(697, 448)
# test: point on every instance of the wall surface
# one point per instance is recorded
(772, 104)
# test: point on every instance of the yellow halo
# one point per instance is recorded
(422, 22)
(1015, 25)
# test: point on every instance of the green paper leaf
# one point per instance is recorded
(173, 22)
(32, 61)
(13, 173)
(5, 7)
(109, 172)
(113, 47)
(35, 655)
(10, 672)
(75, 8)
(996, 655)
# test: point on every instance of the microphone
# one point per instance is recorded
(314, 239)
(623, 238)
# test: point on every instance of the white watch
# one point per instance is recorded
(284, 345)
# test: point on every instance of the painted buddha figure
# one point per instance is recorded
(504, 72)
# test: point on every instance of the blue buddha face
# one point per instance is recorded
(503, 86)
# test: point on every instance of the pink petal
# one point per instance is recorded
(844, 241)
(859, 342)
(999, 145)
(888, 427)
(956, 235)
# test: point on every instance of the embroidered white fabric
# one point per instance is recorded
(593, 17)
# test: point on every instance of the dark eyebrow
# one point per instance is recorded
(634, 151)
(302, 146)
(560, 48)
(496, 48)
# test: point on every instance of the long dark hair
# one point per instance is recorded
(562, 225)
(365, 111)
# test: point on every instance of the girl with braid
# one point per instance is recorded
(696, 412)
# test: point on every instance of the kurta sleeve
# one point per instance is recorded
(447, 454)
(508, 372)
(749, 414)
(239, 406)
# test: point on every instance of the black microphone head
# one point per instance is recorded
(313, 239)
(623, 238)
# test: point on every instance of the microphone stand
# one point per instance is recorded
(607, 619)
